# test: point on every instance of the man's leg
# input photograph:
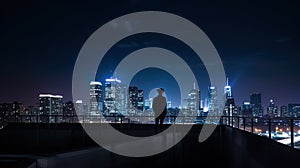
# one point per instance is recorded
(161, 122)
(156, 124)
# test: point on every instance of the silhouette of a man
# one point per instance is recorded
(160, 109)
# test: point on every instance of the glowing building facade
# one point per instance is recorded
(96, 98)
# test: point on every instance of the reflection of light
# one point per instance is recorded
(49, 95)
(95, 83)
(205, 109)
(257, 130)
(298, 132)
(113, 80)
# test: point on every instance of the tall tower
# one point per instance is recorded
(255, 101)
(272, 109)
(194, 97)
(132, 97)
(213, 100)
(140, 100)
(227, 90)
(115, 97)
(191, 106)
(230, 109)
(284, 111)
(136, 99)
(96, 98)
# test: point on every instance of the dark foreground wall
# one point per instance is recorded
(69, 146)
(244, 149)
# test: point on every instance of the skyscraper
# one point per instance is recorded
(69, 112)
(115, 97)
(140, 103)
(81, 110)
(230, 108)
(132, 97)
(255, 101)
(136, 99)
(227, 90)
(191, 105)
(284, 111)
(50, 106)
(272, 110)
(96, 98)
(294, 110)
(213, 101)
(246, 109)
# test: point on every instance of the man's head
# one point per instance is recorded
(160, 90)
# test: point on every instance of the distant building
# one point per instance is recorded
(255, 101)
(272, 109)
(140, 101)
(115, 97)
(96, 98)
(227, 90)
(68, 109)
(169, 104)
(148, 104)
(172, 113)
(31, 110)
(80, 108)
(191, 105)
(246, 109)
(230, 108)
(14, 109)
(6, 109)
(135, 99)
(294, 110)
(213, 101)
(50, 106)
(284, 111)
(69, 112)
(30, 114)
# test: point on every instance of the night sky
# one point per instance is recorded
(258, 42)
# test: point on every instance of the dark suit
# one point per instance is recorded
(160, 110)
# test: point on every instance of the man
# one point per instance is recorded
(159, 107)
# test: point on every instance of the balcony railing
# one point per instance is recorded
(282, 130)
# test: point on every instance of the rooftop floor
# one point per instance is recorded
(67, 145)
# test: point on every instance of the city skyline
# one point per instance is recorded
(115, 98)
(259, 51)
(227, 93)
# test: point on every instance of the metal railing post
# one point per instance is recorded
(244, 122)
(121, 123)
(292, 133)
(251, 125)
(269, 123)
